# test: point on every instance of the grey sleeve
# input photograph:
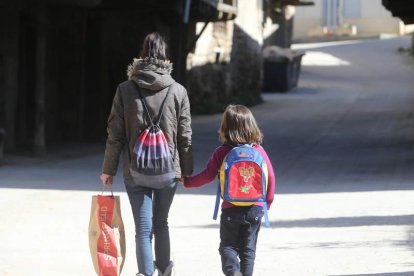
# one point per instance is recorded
(116, 136)
(184, 133)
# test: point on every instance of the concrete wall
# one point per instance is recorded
(303, 28)
(375, 19)
(377, 25)
(309, 12)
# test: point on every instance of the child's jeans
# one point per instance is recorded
(239, 227)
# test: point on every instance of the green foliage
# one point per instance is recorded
(403, 50)
(247, 100)
(210, 106)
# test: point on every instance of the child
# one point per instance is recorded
(239, 225)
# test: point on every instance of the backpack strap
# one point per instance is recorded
(144, 103)
(266, 216)
(162, 106)
(216, 207)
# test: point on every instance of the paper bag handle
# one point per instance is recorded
(106, 188)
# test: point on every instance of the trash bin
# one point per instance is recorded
(281, 70)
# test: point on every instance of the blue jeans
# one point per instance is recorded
(150, 208)
(239, 228)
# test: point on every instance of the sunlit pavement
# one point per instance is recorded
(342, 144)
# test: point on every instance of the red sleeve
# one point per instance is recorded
(271, 182)
(211, 170)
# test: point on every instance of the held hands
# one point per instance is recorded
(107, 180)
(183, 178)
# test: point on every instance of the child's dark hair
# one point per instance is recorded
(154, 46)
(238, 126)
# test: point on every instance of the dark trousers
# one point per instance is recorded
(239, 228)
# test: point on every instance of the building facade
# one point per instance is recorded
(225, 64)
(61, 60)
(347, 17)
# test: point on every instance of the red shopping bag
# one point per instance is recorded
(106, 235)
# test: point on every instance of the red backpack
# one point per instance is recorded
(243, 179)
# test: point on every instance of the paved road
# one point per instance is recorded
(342, 144)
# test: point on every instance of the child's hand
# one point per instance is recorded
(183, 178)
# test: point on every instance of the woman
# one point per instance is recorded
(150, 206)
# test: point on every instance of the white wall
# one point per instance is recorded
(250, 18)
(373, 18)
(310, 12)
(374, 9)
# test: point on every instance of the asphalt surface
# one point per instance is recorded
(342, 144)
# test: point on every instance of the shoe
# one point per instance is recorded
(237, 273)
(167, 271)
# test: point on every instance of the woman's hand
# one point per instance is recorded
(107, 179)
(183, 178)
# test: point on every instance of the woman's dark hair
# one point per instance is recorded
(154, 46)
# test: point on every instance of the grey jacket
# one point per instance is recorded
(127, 118)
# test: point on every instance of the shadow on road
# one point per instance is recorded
(333, 222)
(407, 273)
(343, 129)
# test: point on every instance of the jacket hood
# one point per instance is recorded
(151, 73)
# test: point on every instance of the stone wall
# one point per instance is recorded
(209, 69)
(225, 66)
